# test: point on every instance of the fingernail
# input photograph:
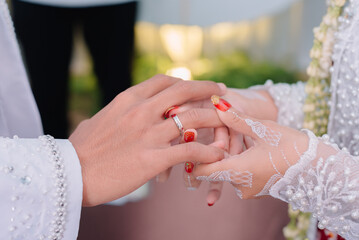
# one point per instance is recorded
(210, 204)
(167, 114)
(188, 136)
(188, 166)
(191, 189)
(222, 86)
(220, 103)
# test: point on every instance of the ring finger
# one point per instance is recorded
(194, 118)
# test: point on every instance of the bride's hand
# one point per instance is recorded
(256, 103)
(254, 171)
(128, 142)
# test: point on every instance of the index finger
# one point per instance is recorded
(153, 85)
(183, 92)
(256, 129)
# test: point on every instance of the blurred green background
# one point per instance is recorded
(235, 69)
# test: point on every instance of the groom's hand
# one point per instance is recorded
(128, 142)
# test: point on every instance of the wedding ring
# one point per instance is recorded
(178, 124)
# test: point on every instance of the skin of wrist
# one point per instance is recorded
(268, 108)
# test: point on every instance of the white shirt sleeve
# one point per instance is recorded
(40, 188)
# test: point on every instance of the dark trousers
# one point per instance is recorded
(46, 37)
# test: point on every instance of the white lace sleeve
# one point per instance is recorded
(289, 99)
(324, 182)
(41, 189)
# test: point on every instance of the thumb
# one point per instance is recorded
(236, 119)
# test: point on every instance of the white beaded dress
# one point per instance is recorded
(40, 178)
(326, 178)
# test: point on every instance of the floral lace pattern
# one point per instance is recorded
(268, 135)
(324, 182)
(243, 179)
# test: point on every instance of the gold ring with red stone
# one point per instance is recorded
(167, 114)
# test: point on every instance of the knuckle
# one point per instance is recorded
(184, 87)
(218, 154)
(134, 114)
(193, 115)
(163, 77)
(190, 149)
(211, 85)
(125, 95)
(235, 119)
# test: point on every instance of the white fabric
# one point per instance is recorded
(289, 100)
(27, 175)
(344, 113)
(18, 110)
(28, 196)
(77, 3)
(324, 182)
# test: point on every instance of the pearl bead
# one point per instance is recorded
(14, 198)
(334, 208)
(324, 222)
(346, 228)
(310, 193)
(301, 181)
(12, 228)
(8, 169)
(334, 189)
(317, 189)
(303, 202)
(355, 214)
(26, 180)
(351, 198)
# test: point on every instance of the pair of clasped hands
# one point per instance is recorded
(130, 141)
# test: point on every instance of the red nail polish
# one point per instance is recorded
(167, 114)
(220, 103)
(210, 204)
(188, 166)
(188, 136)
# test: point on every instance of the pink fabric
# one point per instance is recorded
(172, 212)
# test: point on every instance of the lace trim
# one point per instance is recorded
(296, 169)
